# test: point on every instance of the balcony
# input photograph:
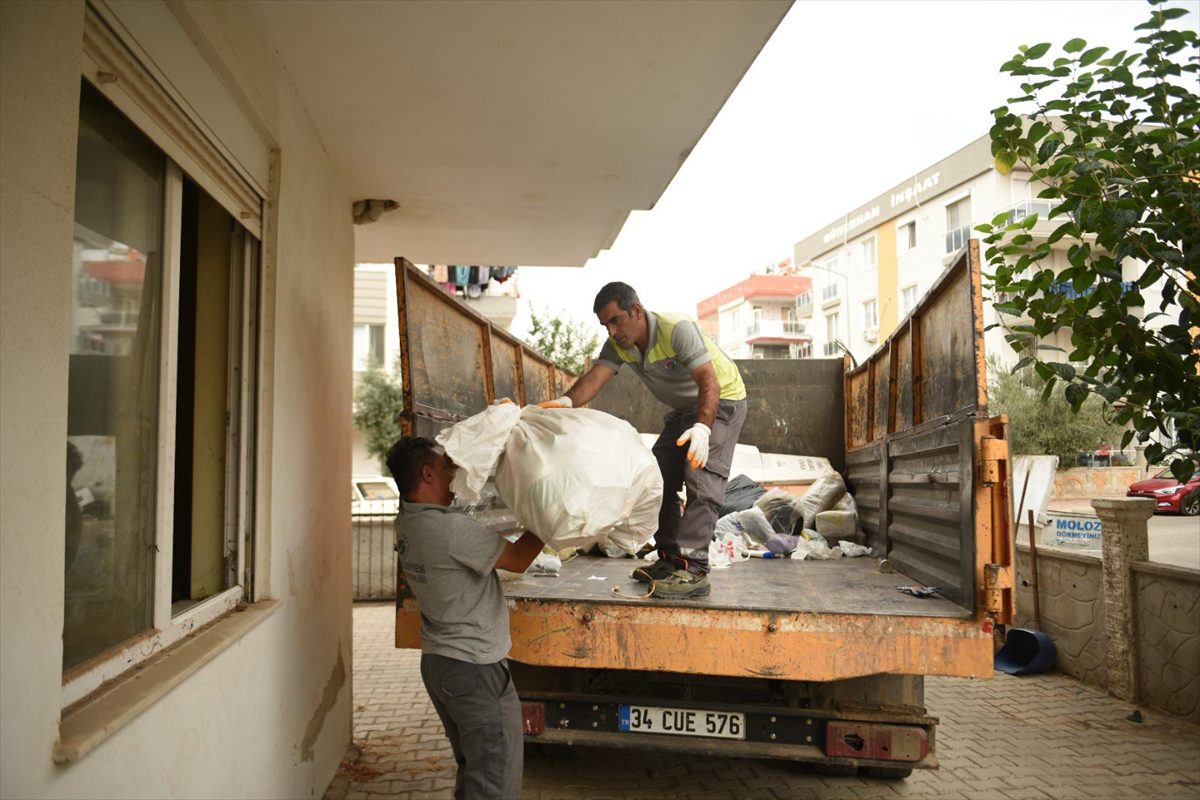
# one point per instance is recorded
(957, 239)
(804, 304)
(830, 295)
(774, 329)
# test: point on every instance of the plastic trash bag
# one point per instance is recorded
(825, 492)
(751, 525)
(782, 509)
(852, 550)
(817, 549)
(575, 477)
(726, 550)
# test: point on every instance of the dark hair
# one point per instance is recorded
(622, 293)
(405, 460)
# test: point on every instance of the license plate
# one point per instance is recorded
(682, 722)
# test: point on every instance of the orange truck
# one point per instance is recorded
(815, 661)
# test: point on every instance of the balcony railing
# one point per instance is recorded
(804, 304)
(776, 328)
(957, 239)
(1028, 208)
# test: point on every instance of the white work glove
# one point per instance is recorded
(558, 402)
(697, 454)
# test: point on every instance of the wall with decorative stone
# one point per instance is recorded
(1168, 632)
(1072, 606)
(1082, 483)
(1166, 603)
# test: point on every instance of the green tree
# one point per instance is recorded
(565, 342)
(1046, 427)
(1113, 139)
(378, 401)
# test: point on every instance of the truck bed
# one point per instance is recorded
(840, 586)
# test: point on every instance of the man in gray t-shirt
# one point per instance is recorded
(449, 561)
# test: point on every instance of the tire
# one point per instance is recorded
(836, 770)
(888, 773)
(1190, 505)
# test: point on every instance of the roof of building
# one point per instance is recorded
(787, 286)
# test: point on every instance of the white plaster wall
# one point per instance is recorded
(39, 110)
(238, 727)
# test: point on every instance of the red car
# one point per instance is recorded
(1169, 494)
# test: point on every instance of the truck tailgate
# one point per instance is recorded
(786, 620)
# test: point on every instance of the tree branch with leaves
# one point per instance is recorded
(1114, 140)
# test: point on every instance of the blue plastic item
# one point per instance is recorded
(1025, 652)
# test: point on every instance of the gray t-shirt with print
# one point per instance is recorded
(449, 562)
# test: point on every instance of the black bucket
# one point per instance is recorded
(1026, 651)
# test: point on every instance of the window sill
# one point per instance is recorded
(109, 709)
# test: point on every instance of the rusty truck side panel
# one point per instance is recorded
(454, 362)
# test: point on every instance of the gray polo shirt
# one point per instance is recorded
(449, 562)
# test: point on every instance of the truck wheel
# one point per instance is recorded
(836, 770)
(888, 773)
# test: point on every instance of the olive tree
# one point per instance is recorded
(564, 341)
(1112, 137)
(378, 401)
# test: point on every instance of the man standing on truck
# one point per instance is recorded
(686, 370)
(450, 562)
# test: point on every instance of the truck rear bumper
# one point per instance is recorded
(789, 735)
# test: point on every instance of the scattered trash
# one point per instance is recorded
(782, 543)
(816, 548)
(740, 494)
(837, 524)
(546, 564)
(597, 577)
(884, 565)
(782, 510)
(750, 525)
(919, 591)
(1136, 716)
(825, 492)
(852, 550)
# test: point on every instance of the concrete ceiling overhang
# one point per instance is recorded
(512, 132)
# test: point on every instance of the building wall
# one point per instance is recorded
(270, 715)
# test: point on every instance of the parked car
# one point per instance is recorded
(373, 494)
(1169, 494)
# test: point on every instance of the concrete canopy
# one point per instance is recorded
(512, 132)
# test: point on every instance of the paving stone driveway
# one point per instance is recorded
(1046, 736)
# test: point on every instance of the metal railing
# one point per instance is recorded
(774, 327)
(373, 556)
(804, 304)
(1027, 208)
(957, 239)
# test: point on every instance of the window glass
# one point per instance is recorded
(112, 402)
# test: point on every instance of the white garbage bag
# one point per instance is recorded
(575, 477)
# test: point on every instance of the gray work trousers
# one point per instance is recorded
(684, 537)
(479, 709)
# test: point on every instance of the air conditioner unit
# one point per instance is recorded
(871, 334)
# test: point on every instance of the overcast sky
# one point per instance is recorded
(847, 99)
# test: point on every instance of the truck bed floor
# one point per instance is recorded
(841, 586)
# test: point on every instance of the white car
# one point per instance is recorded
(374, 494)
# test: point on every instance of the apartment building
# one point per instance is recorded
(871, 265)
(756, 318)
